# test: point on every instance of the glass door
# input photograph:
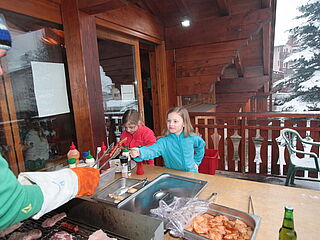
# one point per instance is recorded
(120, 79)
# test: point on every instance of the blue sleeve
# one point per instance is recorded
(151, 152)
(199, 145)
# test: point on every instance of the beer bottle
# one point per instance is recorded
(287, 231)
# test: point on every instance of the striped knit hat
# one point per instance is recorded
(5, 38)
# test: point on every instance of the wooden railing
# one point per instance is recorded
(247, 142)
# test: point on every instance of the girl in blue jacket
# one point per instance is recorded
(180, 148)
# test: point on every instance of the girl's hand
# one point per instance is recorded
(134, 152)
(196, 167)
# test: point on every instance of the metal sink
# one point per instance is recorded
(164, 187)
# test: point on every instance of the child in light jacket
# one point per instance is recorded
(180, 148)
(136, 133)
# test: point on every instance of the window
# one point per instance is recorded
(36, 96)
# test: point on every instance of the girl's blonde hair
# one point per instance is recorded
(131, 116)
(188, 129)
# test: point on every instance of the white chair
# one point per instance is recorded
(309, 161)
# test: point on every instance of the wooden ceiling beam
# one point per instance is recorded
(183, 8)
(266, 38)
(154, 10)
(239, 65)
(223, 7)
(265, 3)
(92, 7)
(214, 30)
(238, 85)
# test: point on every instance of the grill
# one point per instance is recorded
(91, 216)
(82, 234)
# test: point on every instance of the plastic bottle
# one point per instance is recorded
(124, 164)
(287, 231)
(100, 154)
(84, 156)
(126, 153)
(74, 153)
(72, 162)
(90, 160)
(140, 170)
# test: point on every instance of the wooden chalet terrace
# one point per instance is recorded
(223, 60)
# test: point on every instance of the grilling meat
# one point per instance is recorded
(100, 235)
(10, 229)
(69, 226)
(220, 227)
(50, 222)
(33, 234)
(61, 236)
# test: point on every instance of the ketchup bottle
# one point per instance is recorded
(100, 154)
(140, 170)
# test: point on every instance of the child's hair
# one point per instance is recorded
(131, 116)
(188, 129)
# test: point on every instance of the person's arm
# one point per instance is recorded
(199, 145)
(122, 136)
(17, 202)
(145, 153)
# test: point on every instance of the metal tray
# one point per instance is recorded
(251, 220)
(164, 187)
(103, 195)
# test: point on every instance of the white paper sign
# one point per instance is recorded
(127, 92)
(50, 88)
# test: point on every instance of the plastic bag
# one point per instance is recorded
(179, 213)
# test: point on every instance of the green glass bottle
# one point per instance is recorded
(287, 231)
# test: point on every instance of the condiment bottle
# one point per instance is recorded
(73, 153)
(90, 160)
(84, 156)
(72, 162)
(124, 164)
(103, 149)
(140, 170)
(287, 231)
(126, 153)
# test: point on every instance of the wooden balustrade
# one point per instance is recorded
(247, 142)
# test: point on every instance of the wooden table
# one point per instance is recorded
(268, 201)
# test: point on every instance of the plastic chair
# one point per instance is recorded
(309, 161)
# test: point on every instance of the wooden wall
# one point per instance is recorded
(82, 54)
(209, 57)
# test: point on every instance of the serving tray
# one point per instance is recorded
(103, 195)
(251, 220)
(164, 187)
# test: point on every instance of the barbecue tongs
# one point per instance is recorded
(104, 154)
(123, 190)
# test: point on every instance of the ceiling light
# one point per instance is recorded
(185, 22)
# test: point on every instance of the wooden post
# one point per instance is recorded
(159, 82)
(243, 145)
(162, 83)
(85, 84)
